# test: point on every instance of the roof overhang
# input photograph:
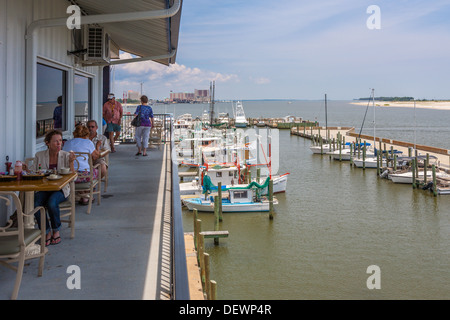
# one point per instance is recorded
(145, 38)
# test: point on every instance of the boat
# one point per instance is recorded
(406, 177)
(235, 199)
(371, 162)
(228, 176)
(321, 149)
(239, 116)
(346, 154)
(238, 201)
(327, 148)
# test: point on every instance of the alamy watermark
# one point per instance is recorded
(374, 280)
(259, 148)
(74, 21)
(374, 21)
(74, 280)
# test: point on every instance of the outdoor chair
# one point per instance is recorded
(18, 244)
(67, 208)
(105, 177)
(91, 184)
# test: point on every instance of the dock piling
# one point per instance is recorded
(271, 199)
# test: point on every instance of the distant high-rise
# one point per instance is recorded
(196, 96)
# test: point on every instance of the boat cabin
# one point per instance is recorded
(241, 195)
(226, 175)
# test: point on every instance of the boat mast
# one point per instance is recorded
(326, 117)
(373, 104)
(212, 88)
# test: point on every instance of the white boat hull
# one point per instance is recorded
(208, 206)
(406, 177)
(369, 162)
(318, 150)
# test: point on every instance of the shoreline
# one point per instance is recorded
(433, 105)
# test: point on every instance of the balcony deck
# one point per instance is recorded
(122, 248)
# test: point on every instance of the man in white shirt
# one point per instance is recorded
(100, 142)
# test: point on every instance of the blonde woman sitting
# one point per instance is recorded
(82, 143)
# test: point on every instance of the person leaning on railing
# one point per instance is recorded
(81, 143)
(52, 158)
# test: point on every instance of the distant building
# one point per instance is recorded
(189, 97)
(133, 95)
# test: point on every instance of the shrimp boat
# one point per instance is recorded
(235, 199)
(228, 176)
(239, 116)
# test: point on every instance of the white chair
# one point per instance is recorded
(93, 183)
(16, 244)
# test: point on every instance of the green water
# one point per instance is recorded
(333, 222)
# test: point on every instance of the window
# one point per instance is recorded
(82, 96)
(219, 174)
(240, 194)
(51, 99)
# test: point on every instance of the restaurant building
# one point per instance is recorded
(55, 58)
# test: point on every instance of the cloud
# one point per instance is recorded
(176, 76)
(260, 80)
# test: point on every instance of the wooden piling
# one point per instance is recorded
(196, 232)
(201, 258)
(219, 194)
(364, 156)
(271, 199)
(207, 270)
(213, 289)
(433, 168)
(216, 217)
(378, 164)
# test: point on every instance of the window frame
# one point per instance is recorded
(66, 84)
(90, 78)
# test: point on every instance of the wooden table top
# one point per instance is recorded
(38, 185)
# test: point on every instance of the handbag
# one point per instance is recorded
(136, 122)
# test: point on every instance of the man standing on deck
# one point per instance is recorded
(112, 113)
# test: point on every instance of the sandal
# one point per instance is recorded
(138, 154)
(84, 201)
(48, 242)
(55, 240)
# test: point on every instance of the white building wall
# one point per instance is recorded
(52, 45)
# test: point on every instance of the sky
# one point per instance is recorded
(265, 49)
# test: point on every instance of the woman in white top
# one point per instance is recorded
(82, 143)
(52, 158)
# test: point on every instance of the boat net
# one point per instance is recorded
(208, 186)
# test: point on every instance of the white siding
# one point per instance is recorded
(51, 44)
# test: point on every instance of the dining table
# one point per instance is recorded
(29, 187)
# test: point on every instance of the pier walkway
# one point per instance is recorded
(442, 155)
(122, 249)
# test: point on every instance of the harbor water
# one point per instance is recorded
(334, 221)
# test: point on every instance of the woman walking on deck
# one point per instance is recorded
(143, 132)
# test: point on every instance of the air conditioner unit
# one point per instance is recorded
(97, 45)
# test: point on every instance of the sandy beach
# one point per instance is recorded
(435, 105)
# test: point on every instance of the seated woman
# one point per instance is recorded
(52, 158)
(82, 143)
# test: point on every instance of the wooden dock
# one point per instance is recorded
(195, 281)
(442, 155)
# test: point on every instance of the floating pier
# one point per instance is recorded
(336, 137)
